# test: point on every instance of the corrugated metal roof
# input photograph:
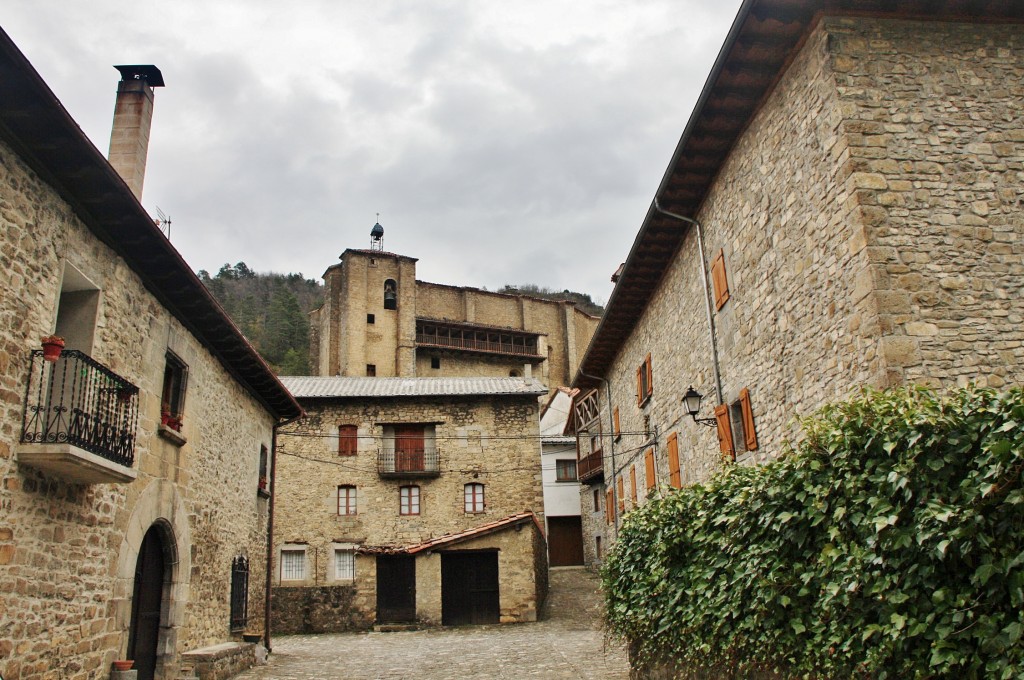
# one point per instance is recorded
(313, 387)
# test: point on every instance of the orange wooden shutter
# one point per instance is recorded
(674, 478)
(347, 440)
(749, 433)
(622, 496)
(615, 419)
(719, 280)
(639, 385)
(650, 376)
(609, 506)
(724, 431)
(632, 483)
(649, 464)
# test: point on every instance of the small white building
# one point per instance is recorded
(561, 483)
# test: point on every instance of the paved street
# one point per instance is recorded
(566, 643)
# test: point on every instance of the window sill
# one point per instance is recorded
(567, 481)
(645, 401)
(262, 493)
(171, 435)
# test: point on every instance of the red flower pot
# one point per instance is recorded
(52, 347)
(123, 665)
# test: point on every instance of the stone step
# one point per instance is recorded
(395, 627)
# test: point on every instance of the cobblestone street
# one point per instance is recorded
(566, 643)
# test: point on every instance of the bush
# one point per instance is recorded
(887, 543)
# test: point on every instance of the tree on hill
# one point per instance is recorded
(583, 301)
(271, 310)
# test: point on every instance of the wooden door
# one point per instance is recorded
(565, 541)
(396, 589)
(408, 448)
(147, 597)
(469, 588)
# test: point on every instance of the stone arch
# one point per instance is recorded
(160, 505)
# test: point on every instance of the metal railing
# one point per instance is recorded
(409, 462)
(77, 400)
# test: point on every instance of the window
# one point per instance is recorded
(597, 546)
(239, 593)
(409, 500)
(435, 362)
(293, 564)
(595, 440)
(371, 370)
(409, 447)
(719, 280)
(644, 381)
(615, 423)
(474, 497)
(390, 294)
(565, 471)
(264, 481)
(632, 483)
(724, 432)
(348, 440)
(649, 469)
(370, 318)
(172, 400)
(346, 500)
(597, 501)
(674, 477)
(344, 564)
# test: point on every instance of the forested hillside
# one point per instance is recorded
(583, 301)
(271, 310)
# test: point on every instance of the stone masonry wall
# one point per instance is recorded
(488, 440)
(67, 552)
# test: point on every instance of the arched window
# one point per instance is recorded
(515, 373)
(239, 593)
(474, 494)
(390, 294)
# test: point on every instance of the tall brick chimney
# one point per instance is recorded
(133, 113)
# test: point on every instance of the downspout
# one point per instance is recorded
(611, 441)
(270, 526)
(707, 295)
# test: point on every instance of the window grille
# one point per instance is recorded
(344, 565)
(293, 565)
(239, 593)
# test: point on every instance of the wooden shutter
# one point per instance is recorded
(622, 496)
(609, 506)
(615, 420)
(719, 280)
(347, 440)
(650, 376)
(649, 465)
(632, 483)
(640, 385)
(724, 431)
(749, 433)
(674, 478)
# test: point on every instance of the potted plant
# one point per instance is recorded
(53, 345)
(123, 665)
(263, 483)
(171, 421)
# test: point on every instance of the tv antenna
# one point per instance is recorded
(163, 221)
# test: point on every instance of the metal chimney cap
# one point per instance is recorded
(147, 72)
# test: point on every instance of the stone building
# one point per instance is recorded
(133, 518)
(843, 209)
(561, 484)
(378, 320)
(409, 501)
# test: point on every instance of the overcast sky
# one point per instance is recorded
(501, 142)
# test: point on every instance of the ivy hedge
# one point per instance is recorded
(887, 543)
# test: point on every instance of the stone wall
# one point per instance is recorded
(319, 609)
(869, 226)
(485, 439)
(68, 552)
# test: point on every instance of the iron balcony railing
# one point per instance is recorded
(77, 400)
(409, 462)
(590, 467)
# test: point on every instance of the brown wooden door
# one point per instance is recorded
(565, 541)
(396, 589)
(469, 588)
(146, 600)
(408, 448)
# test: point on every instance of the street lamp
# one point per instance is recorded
(691, 402)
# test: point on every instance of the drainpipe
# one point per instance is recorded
(611, 442)
(270, 526)
(707, 294)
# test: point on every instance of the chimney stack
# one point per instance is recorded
(133, 114)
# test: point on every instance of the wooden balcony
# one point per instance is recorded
(591, 468)
(475, 339)
(79, 420)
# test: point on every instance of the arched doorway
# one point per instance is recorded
(147, 604)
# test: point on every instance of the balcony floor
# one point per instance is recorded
(73, 464)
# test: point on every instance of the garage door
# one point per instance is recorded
(469, 588)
